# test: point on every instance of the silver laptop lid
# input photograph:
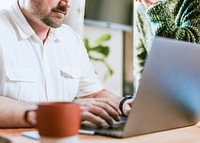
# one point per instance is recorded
(169, 92)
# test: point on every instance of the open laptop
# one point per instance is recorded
(168, 96)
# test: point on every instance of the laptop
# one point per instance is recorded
(168, 95)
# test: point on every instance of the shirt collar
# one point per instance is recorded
(53, 35)
(20, 21)
(24, 28)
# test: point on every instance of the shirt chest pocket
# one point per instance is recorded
(19, 82)
(70, 78)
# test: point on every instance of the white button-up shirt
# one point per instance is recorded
(57, 70)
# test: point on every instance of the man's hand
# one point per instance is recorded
(127, 106)
(148, 3)
(99, 110)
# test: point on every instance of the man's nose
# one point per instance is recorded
(65, 3)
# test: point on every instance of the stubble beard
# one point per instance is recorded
(53, 22)
(56, 20)
(48, 17)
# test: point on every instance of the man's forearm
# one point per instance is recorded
(12, 112)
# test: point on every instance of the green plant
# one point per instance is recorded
(97, 51)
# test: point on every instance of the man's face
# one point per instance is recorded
(50, 12)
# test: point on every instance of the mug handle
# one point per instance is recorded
(26, 116)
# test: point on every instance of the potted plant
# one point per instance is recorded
(99, 52)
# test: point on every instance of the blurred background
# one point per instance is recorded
(106, 27)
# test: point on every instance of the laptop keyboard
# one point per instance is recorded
(116, 130)
(116, 126)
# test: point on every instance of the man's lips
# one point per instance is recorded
(59, 11)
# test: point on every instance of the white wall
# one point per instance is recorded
(75, 17)
(114, 83)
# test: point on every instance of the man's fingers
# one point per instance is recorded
(98, 110)
(87, 116)
(109, 110)
(127, 109)
(96, 115)
(109, 102)
(127, 106)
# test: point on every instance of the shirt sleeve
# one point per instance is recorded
(89, 82)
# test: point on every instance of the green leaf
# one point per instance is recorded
(104, 50)
(86, 43)
(108, 73)
(102, 39)
(97, 47)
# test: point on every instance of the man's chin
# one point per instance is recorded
(53, 24)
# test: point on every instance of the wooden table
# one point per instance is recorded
(182, 135)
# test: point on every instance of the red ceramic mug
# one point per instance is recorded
(57, 120)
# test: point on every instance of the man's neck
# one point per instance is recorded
(43, 35)
(41, 31)
(40, 28)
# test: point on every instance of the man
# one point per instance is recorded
(176, 19)
(42, 60)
